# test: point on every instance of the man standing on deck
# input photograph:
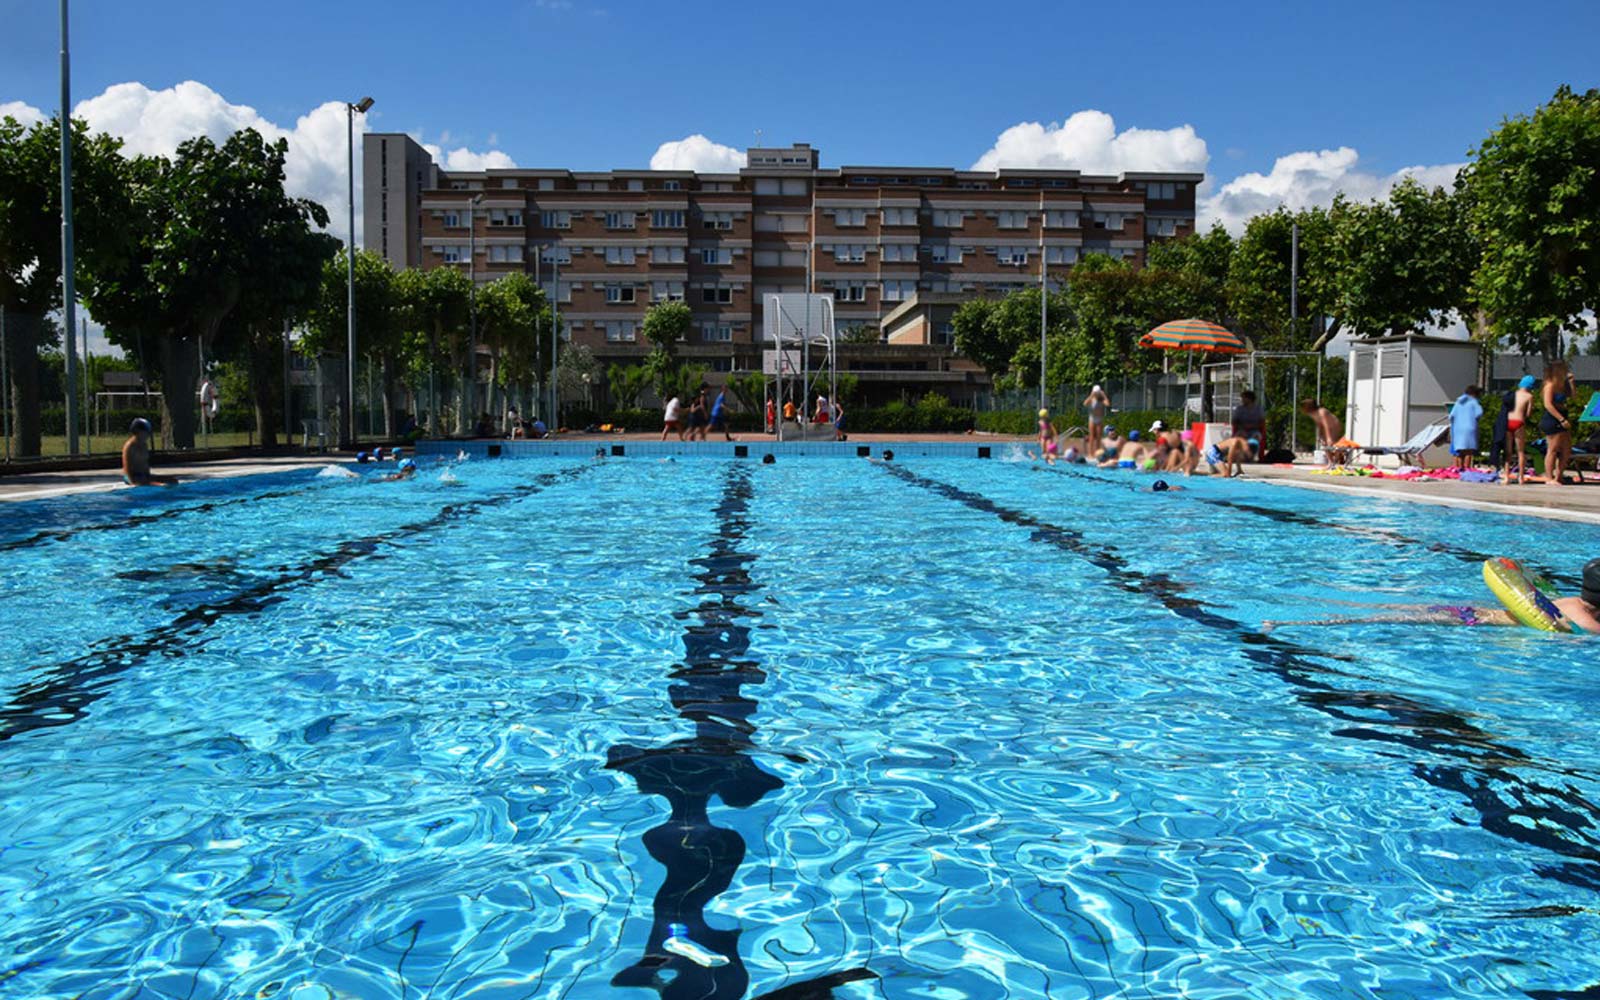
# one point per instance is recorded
(1249, 422)
(136, 457)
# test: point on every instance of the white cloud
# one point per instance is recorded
(1306, 180)
(156, 121)
(466, 159)
(698, 153)
(1089, 142)
(25, 113)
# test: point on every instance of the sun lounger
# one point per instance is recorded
(1410, 453)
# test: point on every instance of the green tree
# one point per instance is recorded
(979, 335)
(434, 313)
(30, 244)
(512, 316)
(749, 388)
(1108, 316)
(204, 227)
(1400, 264)
(1259, 276)
(626, 384)
(378, 320)
(1188, 278)
(667, 323)
(1534, 205)
(860, 334)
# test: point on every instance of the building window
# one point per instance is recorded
(505, 255)
(1161, 190)
(620, 255)
(947, 218)
(666, 291)
(849, 216)
(794, 187)
(1060, 255)
(768, 186)
(505, 217)
(452, 220)
(555, 220)
(944, 333)
(1160, 227)
(619, 294)
(666, 219)
(562, 294)
(666, 255)
(717, 220)
(1012, 255)
(849, 253)
(781, 223)
(899, 253)
(555, 254)
(635, 184)
(716, 256)
(619, 220)
(716, 333)
(899, 216)
(850, 291)
(1013, 220)
(898, 290)
(456, 254)
(670, 186)
(717, 294)
(621, 331)
(1061, 220)
(1106, 220)
(944, 253)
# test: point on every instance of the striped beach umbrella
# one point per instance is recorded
(1193, 335)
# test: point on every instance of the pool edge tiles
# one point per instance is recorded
(753, 449)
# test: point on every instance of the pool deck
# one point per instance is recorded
(55, 483)
(1569, 503)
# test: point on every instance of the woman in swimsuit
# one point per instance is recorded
(1558, 385)
(1515, 421)
(1048, 444)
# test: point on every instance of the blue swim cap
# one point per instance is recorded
(1133, 435)
(362, 457)
(407, 464)
(1159, 486)
(1528, 382)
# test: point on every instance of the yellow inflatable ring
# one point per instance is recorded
(1526, 595)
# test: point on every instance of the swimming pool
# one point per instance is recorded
(941, 728)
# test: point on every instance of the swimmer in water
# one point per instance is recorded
(1582, 611)
(407, 469)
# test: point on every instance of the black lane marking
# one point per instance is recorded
(1392, 538)
(700, 858)
(1476, 766)
(136, 520)
(63, 692)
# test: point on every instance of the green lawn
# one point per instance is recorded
(56, 445)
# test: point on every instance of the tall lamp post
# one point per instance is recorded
(69, 296)
(469, 392)
(347, 422)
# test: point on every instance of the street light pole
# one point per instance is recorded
(69, 295)
(555, 333)
(347, 428)
(469, 392)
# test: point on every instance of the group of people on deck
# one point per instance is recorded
(1533, 405)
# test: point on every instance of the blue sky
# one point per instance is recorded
(601, 84)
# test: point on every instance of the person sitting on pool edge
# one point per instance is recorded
(1231, 454)
(1582, 611)
(1131, 455)
(136, 457)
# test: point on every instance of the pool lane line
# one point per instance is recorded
(138, 520)
(701, 858)
(1482, 762)
(63, 692)
(1381, 535)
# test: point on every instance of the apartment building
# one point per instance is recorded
(875, 238)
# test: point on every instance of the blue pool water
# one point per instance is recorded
(946, 728)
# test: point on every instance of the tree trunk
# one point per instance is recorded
(386, 376)
(263, 360)
(22, 349)
(178, 377)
